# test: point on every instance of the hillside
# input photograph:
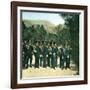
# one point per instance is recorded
(49, 27)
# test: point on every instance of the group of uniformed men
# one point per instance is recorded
(47, 54)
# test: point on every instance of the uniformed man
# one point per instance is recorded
(62, 56)
(45, 54)
(50, 55)
(24, 50)
(30, 52)
(25, 55)
(48, 58)
(54, 55)
(26, 60)
(41, 54)
(37, 54)
(68, 52)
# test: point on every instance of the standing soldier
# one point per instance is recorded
(62, 57)
(26, 56)
(41, 54)
(45, 54)
(24, 50)
(50, 55)
(68, 52)
(54, 51)
(37, 54)
(30, 53)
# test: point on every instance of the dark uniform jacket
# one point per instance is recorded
(37, 51)
(30, 50)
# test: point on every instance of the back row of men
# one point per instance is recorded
(46, 55)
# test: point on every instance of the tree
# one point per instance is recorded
(72, 22)
(63, 34)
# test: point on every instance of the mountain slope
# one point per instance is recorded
(36, 22)
(49, 27)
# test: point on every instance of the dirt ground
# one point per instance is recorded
(44, 72)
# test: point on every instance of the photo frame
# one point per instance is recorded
(24, 16)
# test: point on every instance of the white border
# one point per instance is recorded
(81, 49)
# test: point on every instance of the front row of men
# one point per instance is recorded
(46, 55)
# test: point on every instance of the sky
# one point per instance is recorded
(54, 18)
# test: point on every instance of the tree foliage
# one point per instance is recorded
(72, 23)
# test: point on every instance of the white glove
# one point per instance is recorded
(62, 57)
(68, 56)
(41, 56)
(46, 55)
